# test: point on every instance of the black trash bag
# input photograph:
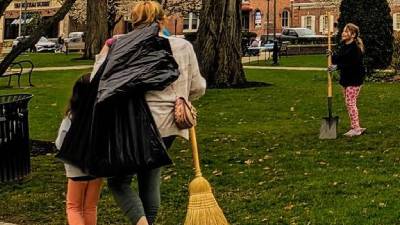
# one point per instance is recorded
(130, 128)
(74, 149)
(119, 135)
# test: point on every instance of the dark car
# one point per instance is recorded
(301, 35)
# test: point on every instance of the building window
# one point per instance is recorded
(245, 21)
(308, 22)
(285, 18)
(257, 18)
(191, 22)
(324, 24)
(396, 21)
(10, 29)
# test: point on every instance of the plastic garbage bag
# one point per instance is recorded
(116, 133)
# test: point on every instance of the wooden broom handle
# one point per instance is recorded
(195, 152)
(329, 56)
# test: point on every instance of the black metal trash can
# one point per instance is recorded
(15, 148)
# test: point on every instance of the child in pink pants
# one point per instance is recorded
(83, 191)
(349, 61)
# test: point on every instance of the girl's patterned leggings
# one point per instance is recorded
(350, 95)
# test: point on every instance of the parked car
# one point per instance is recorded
(45, 45)
(42, 45)
(74, 36)
(74, 41)
(301, 35)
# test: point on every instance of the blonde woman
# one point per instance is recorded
(141, 208)
(349, 61)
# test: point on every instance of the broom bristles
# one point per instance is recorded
(203, 209)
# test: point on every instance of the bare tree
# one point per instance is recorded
(96, 27)
(3, 5)
(100, 27)
(218, 43)
(43, 26)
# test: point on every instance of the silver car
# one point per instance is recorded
(42, 45)
(45, 45)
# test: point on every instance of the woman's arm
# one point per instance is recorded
(198, 83)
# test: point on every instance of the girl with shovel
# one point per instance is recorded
(349, 61)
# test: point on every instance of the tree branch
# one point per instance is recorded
(44, 25)
(3, 5)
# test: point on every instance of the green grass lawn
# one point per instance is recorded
(259, 150)
(54, 59)
(292, 61)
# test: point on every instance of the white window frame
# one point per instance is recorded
(304, 22)
(323, 24)
(287, 18)
(190, 17)
(396, 21)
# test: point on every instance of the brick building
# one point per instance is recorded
(258, 16)
(10, 22)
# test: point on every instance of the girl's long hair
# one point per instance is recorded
(79, 95)
(354, 29)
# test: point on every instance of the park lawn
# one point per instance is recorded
(50, 95)
(259, 150)
(53, 59)
(290, 61)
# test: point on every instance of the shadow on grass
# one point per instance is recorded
(249, 84)
(42, 147)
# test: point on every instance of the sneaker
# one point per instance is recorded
(353, 132)
(362, 130)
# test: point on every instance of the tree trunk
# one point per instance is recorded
(218, 44)
(3, 5)
(44, 24)
(97, 27)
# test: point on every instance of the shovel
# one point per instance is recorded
(329, 124)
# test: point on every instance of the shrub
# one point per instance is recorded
(192, 36)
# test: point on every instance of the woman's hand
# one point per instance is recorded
(331, 68)
(329, 53)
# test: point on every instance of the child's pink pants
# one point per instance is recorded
(350, 96)
(82, 199)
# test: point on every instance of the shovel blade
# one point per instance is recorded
(328, 128)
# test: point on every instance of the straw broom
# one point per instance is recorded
(203, 209)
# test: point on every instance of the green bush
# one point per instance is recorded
(248, 35)
(192, 36)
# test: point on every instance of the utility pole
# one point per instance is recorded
(20, 19)
(274, 19)
(268, 20)
(291, 13)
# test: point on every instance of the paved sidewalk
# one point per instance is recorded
(285, 68)
(81, 67)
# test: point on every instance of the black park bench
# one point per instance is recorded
(17, 69)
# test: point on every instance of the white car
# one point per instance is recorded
(17, 40)
(74, 36)
(42, 45)
(45, 45)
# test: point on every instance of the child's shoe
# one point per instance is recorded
(353, 132)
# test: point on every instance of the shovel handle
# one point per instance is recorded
(195, 152)
(329, 56)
